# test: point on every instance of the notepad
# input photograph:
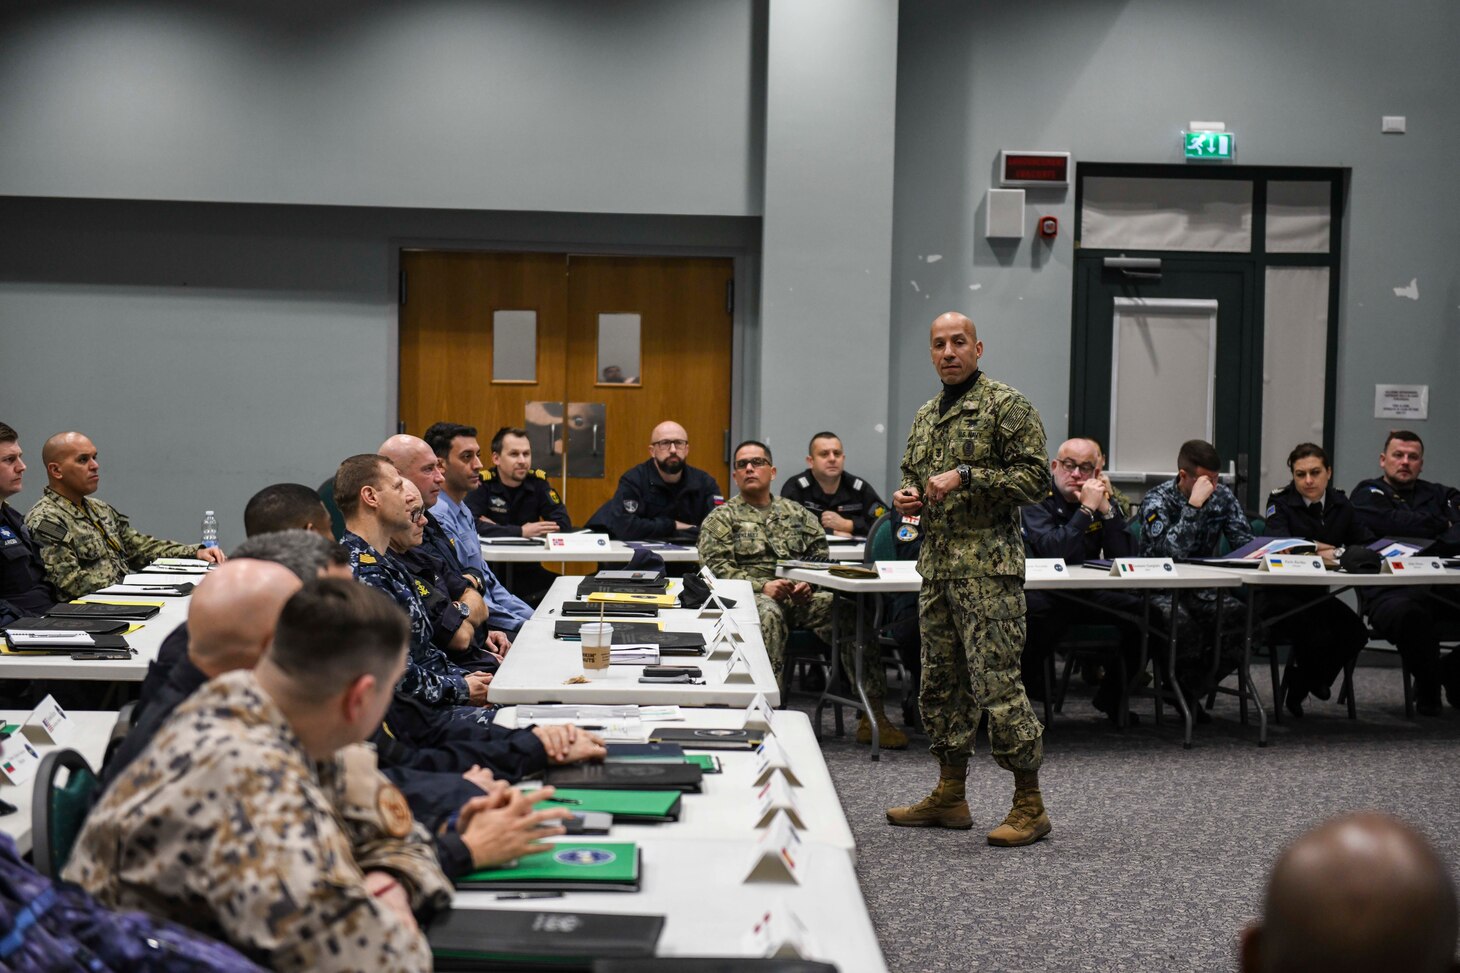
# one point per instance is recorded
(566, 867)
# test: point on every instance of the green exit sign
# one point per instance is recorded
(1210, 146)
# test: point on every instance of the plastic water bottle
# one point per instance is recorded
(210, 529)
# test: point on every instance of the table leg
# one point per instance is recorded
(1186, 716)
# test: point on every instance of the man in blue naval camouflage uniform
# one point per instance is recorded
(371, 493)
(1187, 517)
(974, 456)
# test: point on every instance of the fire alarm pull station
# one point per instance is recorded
(1049, 227)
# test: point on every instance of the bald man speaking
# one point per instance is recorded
(86, 544)
(1361, 893)
(661, 497)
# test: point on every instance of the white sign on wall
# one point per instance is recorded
(1401, 401)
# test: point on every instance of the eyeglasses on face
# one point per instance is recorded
(756, 461)
(1070, 466)
(670, 444)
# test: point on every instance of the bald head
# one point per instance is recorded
(669, 448)
(233, 612)
(953, 340)
(417, 462)
(1358, 893)
(71, 466)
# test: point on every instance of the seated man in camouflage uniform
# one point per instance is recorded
(240, 820)
(86, 544)
(1187, 517)
(743, 540)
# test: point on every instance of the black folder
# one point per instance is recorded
(592, 609)
(632, 633)
(633, 776)
(707, 738)
(96, 626)
(132, 613)
(500, 939)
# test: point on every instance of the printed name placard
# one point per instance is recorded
(771, 759)
(1143, 567)
(577, 543)
(1414, 565)
(898, 571)
(1291, 564)
(779, 934)
(738, 668)
(48, 723)
(775, 795)
(759, 715)
(776, 856)
(1045, 568)
(18, 760)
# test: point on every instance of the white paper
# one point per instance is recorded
(18, 760)
(24, 637)
(1401, 401)
(634, 655)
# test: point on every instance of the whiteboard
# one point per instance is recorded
(1162, 379)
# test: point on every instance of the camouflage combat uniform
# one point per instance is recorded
(971, 607)
(91, 546)
(224, 824)
(430, 676)
(1172, 527)
(741, 541)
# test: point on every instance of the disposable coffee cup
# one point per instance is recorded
(597, 637)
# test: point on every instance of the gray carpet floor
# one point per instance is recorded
(1159, 855)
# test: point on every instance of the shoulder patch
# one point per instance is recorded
(553, 495)
(1271, 509)
(717, 500)
(50, 529)
(487, 475)
(368, 559)
(907, 532)
(857, 484)
(631, 506)
(805, 481)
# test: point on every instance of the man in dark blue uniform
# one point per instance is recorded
(663, 497)
(513, 499)
(24, 590)
(1399, 504)
(845, 504)
(1082, 519)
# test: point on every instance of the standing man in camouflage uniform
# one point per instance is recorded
(744, 538)
(238, 818)
(86, 544)
(974, 456)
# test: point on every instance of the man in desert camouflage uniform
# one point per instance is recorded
(744, 538)
(86, 544)
(242, 821)
(974, 456)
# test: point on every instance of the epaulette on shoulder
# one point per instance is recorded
(540, 474)
(368, 559)
(488, 475)
(857, 485)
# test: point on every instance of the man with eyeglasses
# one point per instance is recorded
(1082, 519)
(746, 537)
(975, 455)
(663, 497)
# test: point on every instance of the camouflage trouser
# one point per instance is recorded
(778, 618)
(973, 636)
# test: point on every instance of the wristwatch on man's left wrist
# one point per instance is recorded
(965, 474)
(465, 611)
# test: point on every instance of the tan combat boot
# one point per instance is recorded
(1026, 822)
(944, 808)
(889, 737)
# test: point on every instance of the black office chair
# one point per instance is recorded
(126, 719)
(59, 810)
(326, 493)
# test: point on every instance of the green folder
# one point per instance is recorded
(627, 807)
(570, 866)
(9, 728)
(709, 763)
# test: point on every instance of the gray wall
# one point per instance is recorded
(1301, 83)
(635, 106)
(830, 74)
(212, 349)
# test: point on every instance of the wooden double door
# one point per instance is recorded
(588, 353)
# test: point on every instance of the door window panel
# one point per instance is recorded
(618, 349)
(1298, 217)
(1210, 215)
(514, 346)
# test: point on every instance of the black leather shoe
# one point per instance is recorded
(1294, 702)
